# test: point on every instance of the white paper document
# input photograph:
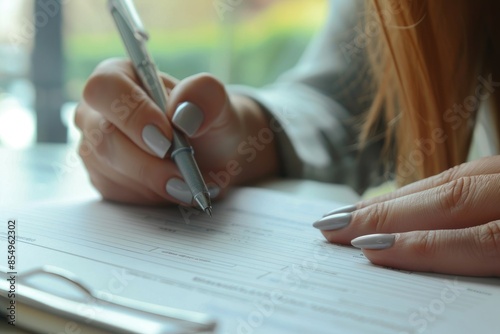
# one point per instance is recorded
(257, 265)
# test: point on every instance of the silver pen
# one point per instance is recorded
(134, 37)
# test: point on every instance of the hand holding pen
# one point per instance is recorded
(128, 140)
(187, 115)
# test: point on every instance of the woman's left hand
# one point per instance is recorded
(448, 223)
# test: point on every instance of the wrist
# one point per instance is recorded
(256, 154)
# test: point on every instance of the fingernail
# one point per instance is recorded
(179, 190)
(374, 241)
(213, 190)
(334, 222)
(155, 140)
(188, 118)
(343, 209)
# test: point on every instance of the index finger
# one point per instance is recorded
(114, 91)
(484, 166)
(461, 203)
(488, 165)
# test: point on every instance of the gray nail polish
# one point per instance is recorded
(374, 241)
(334, 222)
(343, 209)
(155, 140)
(179, 190)
(188, 118)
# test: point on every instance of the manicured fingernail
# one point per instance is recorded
(155, 140)
(374, 241)
(188, 118)
(334, 222)
(213, 190)
(343, 209)
(179, 190)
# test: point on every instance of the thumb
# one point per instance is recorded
(473, 251)
(199, 104)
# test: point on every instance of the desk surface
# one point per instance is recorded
(52, 172)
(55, 171)
(43, 172)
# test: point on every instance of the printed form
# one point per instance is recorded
(258, 266)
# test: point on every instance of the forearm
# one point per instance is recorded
(317, 106)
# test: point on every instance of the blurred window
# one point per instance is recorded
(17, 119)
(240, 41)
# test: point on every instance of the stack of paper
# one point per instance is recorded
(258, 266)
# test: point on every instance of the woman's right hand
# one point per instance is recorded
(126, 137)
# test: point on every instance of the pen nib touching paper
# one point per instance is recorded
(208, 211)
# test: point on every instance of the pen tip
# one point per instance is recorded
(208, 211)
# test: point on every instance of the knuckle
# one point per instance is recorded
(377, 217)
(96, 85)
(448, 175)
(92, 86)
(129, 118)
(104, 76)
(207, 81)
(457, 195)
(106, 127)
(487, 239)
(425, 245)
(100, 150)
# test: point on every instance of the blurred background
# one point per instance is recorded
(48, 48)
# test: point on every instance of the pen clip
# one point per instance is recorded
(128, 12)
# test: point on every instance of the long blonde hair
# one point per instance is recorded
(431, 62)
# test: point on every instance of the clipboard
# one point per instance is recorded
(47, 312)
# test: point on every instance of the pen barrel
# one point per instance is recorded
(151, 81)
(183, 156)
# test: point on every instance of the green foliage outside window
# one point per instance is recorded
(243, 47)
